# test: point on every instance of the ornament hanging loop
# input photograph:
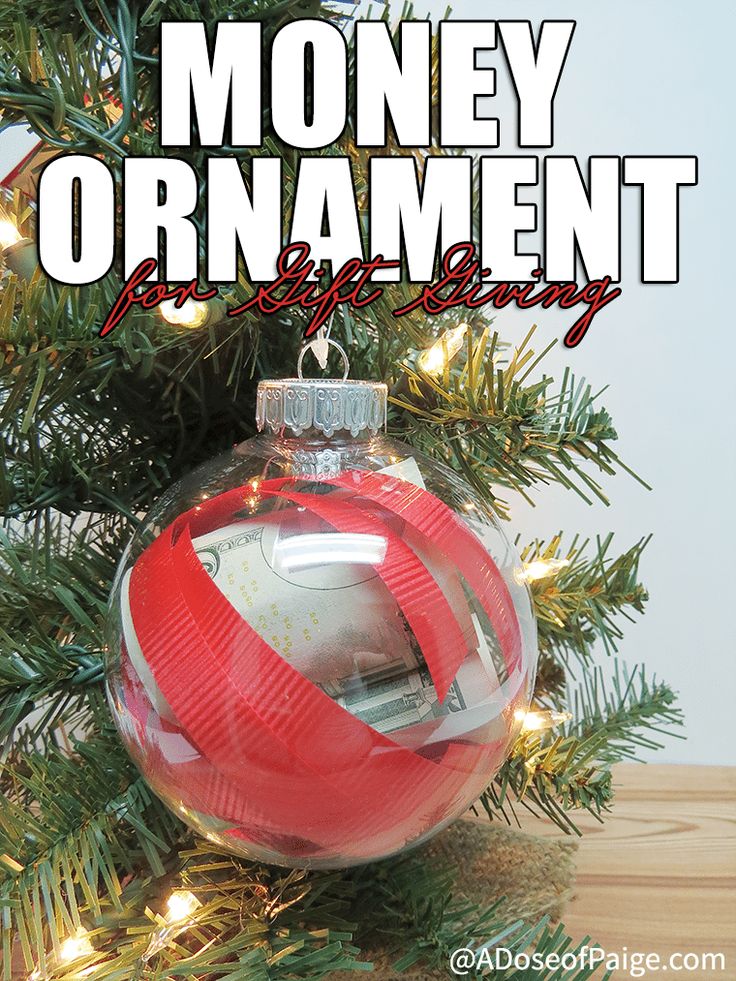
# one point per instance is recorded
(323, 340)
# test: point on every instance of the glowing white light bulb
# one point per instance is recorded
(541, 569)
(535, 721)
(433, 360)
(180, 905)
(9, 234)
(75, 947)
(192, 313)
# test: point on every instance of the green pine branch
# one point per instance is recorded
(501, 428)
(409, 905)
(562, 772)
(584, 595)
(54, 584)
(92, 424)
(253, 922)
(73, 822)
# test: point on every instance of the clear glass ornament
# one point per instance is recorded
(321, 642)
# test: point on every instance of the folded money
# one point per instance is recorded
(291, 578)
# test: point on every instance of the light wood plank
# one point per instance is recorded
(660, 874)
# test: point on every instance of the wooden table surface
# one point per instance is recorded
(660, 874)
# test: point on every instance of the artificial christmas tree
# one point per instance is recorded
(98, 877)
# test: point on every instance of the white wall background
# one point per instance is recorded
(651, 77)
(654, 77)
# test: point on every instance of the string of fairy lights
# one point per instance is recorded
(181, 907)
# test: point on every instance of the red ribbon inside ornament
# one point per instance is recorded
(272, 757)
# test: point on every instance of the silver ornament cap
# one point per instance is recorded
(327, 405)
(324, 405)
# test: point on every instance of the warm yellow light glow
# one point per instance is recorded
(9, 234)
(180, 905)
(433, 360)
(75, 947)
(535, 721)
(541, 569)
(192, 313)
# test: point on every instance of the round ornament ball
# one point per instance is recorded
(320, 643)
